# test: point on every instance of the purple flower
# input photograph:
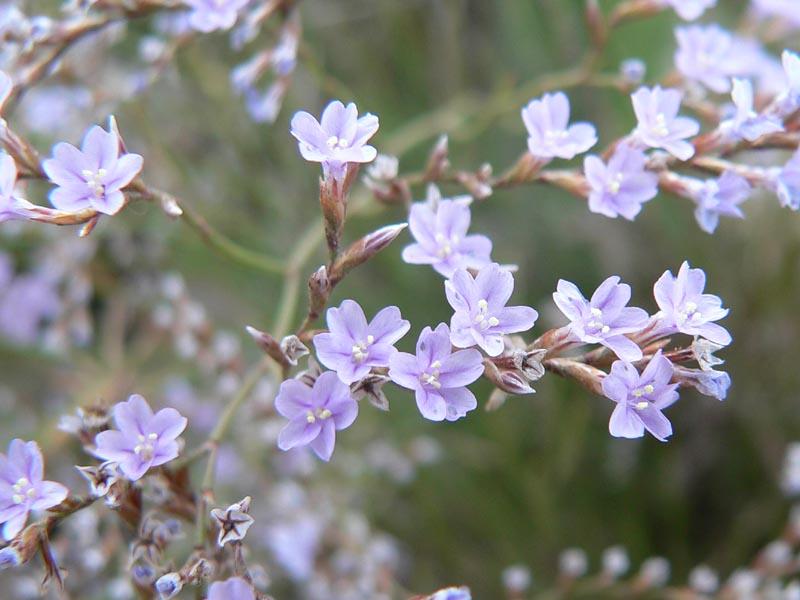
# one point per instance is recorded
(481, 315)
(710, 55)
(234, 588)
(143, 440)
(352, 347)
(440, 230)
(339, 138)
(549, 135)
(209, 15)
(659, 125)
(721, 197)
(685, 308)
(747, 123)
(706, 381)
(315, 413)
(622, 186)
(438, 376)
(11, 206)
(789, 100)
(641, 398)
(22, 488)
(605, 319)
(786, 182)
(689, 10)
(783, 9)
(93, 176)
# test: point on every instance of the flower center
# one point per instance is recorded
(642, 391)
(613, 184)
(481, 319)
(691, 312)
(596, 324)
(431, 379)
(146, 447)
(336, 143)
(318, 413)
(23, 491)
(360, 350)
(660, 128)
(445, 245)
(94, 181)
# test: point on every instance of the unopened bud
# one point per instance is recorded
(332, 203)
(319, 288)
(508, 380)
(438, 162)
(364, 249)
(268, 344)
(168, 586)
(169, 204)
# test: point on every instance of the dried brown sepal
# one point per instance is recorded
(332, 204)
(269, 345)
(319, 289)
(438, 162)
(586, 376)
(510, 381)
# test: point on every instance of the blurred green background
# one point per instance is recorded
(541, 474)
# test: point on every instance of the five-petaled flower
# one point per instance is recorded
(93, 176)
(549, 132)
(746, 122)
(439, 227)
(621, 186)
(234, 588)
(22, 488)
(659, 125)
(481, 316)
(233, 521)
(685, 308)
(640, 398)
(352, 346)
(720, 197)
(337, 139)
(315, 413)
(438, 376)
(143, 439)
(605, 319)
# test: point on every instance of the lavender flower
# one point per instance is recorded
(549, 135)
(789, 100)
(481, 315)
(708, 54)
(11, 206)
(438, 376)
(315, 413)
(622, 186)
(605, 319)
(747, 123)
(708, 382)
(720, 197)
(93, 176)
(658, 124)
(339, 138)
(641, 398)
(786, 182)
(234, 588)
(143, 440)
(685, 308)
(689, 10)
(22, 488)
(440, 230)
(352, 347)
(210, 15)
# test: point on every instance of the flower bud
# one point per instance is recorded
(438, 162)
(319, 288)
(332, 203)
(364, 249)
(168, 586)
(268, 344)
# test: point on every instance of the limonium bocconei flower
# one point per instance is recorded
(315, 413)
(708, 54)
(440, 230)
(549, 132)
(640, 398)
(720, 197)
(210, 15)
(746, 122)
(659, 125)
(234, 588)
(438, 376)
(481, 316)
(786, 182)
(621, 186)
(605, 319)
(689, 10)
(93, 176)
(352, 346)
(337, 139)
(22, 488)
(142, 439)
(11, 206)
(788, 100)
(686, 309)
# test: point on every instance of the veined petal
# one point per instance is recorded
(461, 368)
(431, 404)
(388, 326)
(459, 402)
(323, 444)
(624, 423)
(294, 399)
(299, 432)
